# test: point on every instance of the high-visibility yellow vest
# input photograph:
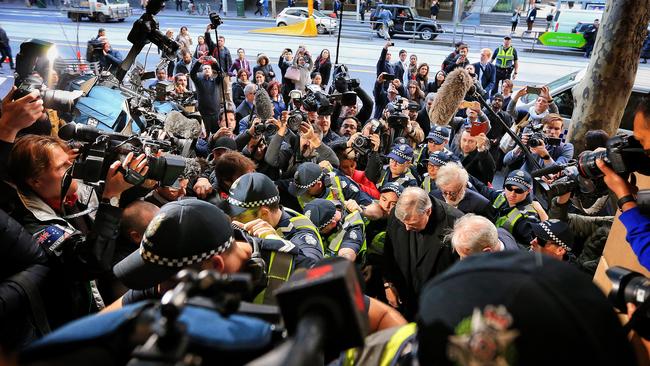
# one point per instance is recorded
(505, 58)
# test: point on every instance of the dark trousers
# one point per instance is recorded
(259, 10)
(5, 51)
(179, 6)
(210, 121)
(502, 74)
(530, 25)
(514, 26)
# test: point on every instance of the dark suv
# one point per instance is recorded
(404, 21)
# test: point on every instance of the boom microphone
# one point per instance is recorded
(555, 168)
(449, 96)
(76, 131)
(180, 126)
(192, 169)
(263, 105)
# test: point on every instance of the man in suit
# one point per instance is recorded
(413, 250)
(530, 17)
(246, 107)
(401, 68)
(486, 71)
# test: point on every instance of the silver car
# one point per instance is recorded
(324, 23)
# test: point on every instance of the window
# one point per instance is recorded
(627, 122)
(564, 103)
(292, 12)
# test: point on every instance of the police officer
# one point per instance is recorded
(554, 237)
(437, 140)
(513, 205)
(398, 169)
(254, 205)
(343, 233)
(434, 162)
(506, 62)
(311, 181)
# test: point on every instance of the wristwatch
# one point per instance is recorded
(388, 285)
(625, 199)
(113, 201)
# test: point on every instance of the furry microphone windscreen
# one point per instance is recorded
(449, 96)
(263, 105)
(180, 126)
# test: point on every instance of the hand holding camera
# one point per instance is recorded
(117, 181)
(19, 114)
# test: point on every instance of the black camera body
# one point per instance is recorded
(362, 145)
(631, 287)
(266, 129)
(94, 49)
(295, 118)
(539, 138)
(397, 119)
(97, 151)
(624, 154)
(215, 20)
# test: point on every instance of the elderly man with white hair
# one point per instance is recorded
(414, 251)
(475, 234)
(452, 182)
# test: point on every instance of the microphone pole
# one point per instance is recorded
(491, 113)
(338, 37)
(223, 74)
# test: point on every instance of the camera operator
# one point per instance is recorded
(636, 223)
(590, 232)
(423, 114)
(324, 122)
(497, 130)
(23, 264)
(361, 114)
(383, 96)
(208, 90)
(224, 59)
(78, 249)
(286, 150)
(543, 152)
(109, 59)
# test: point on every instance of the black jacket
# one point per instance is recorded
(413, 258)
(480, 165)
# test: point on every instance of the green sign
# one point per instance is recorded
(575, 40)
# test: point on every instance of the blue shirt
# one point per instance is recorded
(638, 234)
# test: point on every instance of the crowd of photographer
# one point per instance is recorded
(271, 175)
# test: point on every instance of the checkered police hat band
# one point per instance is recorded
(153, 258)
(546, 227)
(518, 180)
(437, 161)
(400, 154)
(436, 134)
(264, 202)
(310, 184)
(327, 223)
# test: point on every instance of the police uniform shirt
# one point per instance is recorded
(308, 243)
(407, 179)
(351, 191)
(522, 230)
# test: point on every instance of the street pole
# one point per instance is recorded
(458, 8)
(358, 6)
(273, 9)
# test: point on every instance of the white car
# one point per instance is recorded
(324, 23)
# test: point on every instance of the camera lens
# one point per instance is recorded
(270, 129)
(587, 163)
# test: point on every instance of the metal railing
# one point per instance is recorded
(531, 37)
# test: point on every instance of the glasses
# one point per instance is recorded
(451, 194)
(517, 190)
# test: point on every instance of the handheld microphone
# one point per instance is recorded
(180, 126)
(451, 94)
(263, 105)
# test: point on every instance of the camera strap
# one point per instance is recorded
(131, 176)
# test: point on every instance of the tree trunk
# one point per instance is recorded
(600, 98)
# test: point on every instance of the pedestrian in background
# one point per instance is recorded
(258, 4)
(362, 10)
(179, 5)
(5, 49)
(530, 17)
(515, 20)
(549, 19)
(435, 9)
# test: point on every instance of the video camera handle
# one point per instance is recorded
(307, 348)
(535, 165)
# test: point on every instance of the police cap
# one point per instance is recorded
(183, 233)
(251, 190)
(307, 175)
(320, 211)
